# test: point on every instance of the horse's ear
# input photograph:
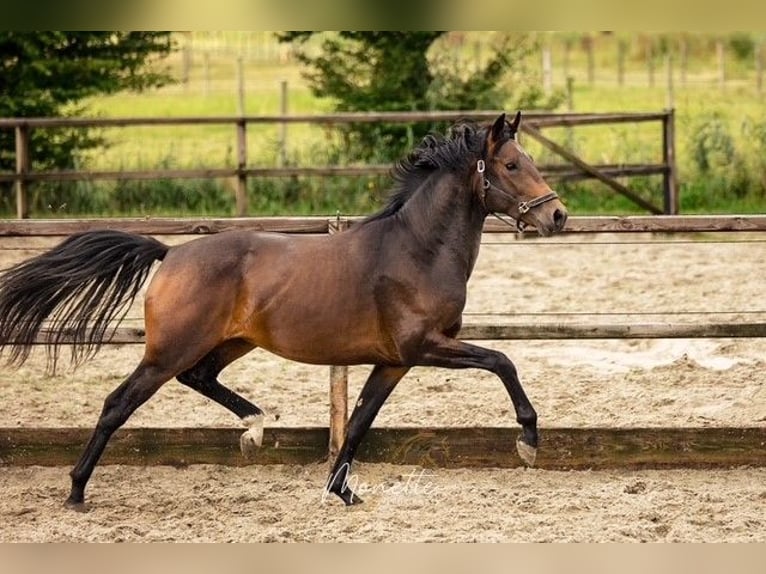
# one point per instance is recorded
(515, 124)
(496, 133)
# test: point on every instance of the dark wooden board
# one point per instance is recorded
(318, 224)
(454, 447)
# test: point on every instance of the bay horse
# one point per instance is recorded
(389, 292)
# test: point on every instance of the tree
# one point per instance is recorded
(50, 73)
(404, 71)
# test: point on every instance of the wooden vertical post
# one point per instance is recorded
(240, 86)
(241, 140)
(241, 192)
(206, 73)
(570, 108)
(671, 95)
(721, 56)
(547, 69)
(570, 94)
(621, 50)
(186, 59)
(684, 59)
(589, 41)
(338, 381)
(670, 178)
(338, 408)
(283, 125)
(22, 168)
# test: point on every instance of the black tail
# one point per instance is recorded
(80, 287)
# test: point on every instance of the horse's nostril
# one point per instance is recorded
(559, 218)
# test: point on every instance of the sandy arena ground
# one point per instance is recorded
(571, 383)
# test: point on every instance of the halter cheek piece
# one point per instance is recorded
(522, 206)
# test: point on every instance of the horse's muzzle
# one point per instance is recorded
(559, 219)
(549, 218)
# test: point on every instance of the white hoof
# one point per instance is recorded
(527, 453)
(252, 438)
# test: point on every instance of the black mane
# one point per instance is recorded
(454, 152)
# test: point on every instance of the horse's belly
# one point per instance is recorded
(326, 344)
(319, 330)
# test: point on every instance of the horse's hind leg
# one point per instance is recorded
(203, 378)
(376, 390)
(118, 406)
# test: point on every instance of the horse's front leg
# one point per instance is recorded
(443, 351)
(374, 393)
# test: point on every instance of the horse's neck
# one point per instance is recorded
(446, 220)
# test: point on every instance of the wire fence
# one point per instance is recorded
(223, 61)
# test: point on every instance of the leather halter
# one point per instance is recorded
(522, 206)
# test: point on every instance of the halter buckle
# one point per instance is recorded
(523, 207)
(480, 166)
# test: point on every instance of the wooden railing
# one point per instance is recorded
(533, 124)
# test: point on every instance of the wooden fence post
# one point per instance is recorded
(670, 178)
(567, 56)
(684, 59)
(240, 86)
(650, 62)
(241, 192)
(622, 48)
(720, 51)
(338, 380)
(589, 41)
(283, 94)
(570, 139)
(22, 168)
(186, 59)
(669, 69)
(206, 73)
(547, 69)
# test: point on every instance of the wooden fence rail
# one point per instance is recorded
(530, 331)
(534, 122)
(322, 224)
(446, 447)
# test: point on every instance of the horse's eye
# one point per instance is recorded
(510, 166)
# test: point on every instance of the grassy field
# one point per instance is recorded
(721, 130)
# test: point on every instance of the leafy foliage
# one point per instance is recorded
(742, 45)
(49, 73)
(725, 166)
(713, 145)
(407, 71)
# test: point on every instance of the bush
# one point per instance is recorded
(742, 46)
(712, 145)
(725, 167)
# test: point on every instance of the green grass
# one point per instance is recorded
(733, 182)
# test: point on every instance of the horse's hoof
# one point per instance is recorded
(352, 500)
(249, 443)
(527, 453)
(252, 438)
(76, 506)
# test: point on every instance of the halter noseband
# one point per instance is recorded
(522, 206)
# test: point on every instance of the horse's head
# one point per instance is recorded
(510, 183)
